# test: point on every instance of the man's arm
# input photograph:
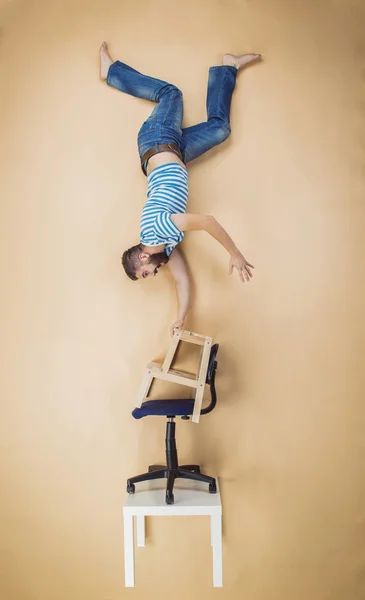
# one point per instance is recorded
(191, 222)
(179, 272)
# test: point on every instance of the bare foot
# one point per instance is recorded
(105, 60)
(240, 61)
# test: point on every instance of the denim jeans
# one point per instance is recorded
(164, 124)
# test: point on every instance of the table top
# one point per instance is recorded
(190, 498)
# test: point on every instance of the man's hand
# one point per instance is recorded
(243, 267)
(177, 325)
(190, 222)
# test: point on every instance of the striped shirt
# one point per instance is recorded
(167, 194)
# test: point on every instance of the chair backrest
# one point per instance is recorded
(212, 365)
(210, 380)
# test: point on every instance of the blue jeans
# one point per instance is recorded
(164, 124)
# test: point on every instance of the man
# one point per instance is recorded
(164, 149)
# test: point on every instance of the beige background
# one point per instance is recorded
(287, 438)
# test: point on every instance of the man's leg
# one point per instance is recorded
(200, 138)
(164, 124)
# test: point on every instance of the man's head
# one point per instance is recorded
(139, 264)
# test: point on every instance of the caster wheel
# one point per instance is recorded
(212, 488)
(131, 488)
(169, 498)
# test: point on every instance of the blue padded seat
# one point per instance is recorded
(164, 408)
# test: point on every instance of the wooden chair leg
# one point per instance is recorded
(204, 361)
(171, 352)
(144, 388)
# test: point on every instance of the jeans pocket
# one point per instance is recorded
(148, 126)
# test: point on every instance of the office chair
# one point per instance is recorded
(172, 409)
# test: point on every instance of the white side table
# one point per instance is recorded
(191, 498)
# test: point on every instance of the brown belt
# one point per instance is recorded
(156, 150)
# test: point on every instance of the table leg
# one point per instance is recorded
(141, 535)
(216, 541)
(128, 550)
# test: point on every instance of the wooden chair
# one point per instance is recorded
(164, 371)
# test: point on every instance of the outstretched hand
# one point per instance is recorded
(177, 325)
(238, 261)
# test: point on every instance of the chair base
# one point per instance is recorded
(194, 468)
(162, 472)
(173, 470)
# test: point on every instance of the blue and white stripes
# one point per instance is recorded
(167, 194)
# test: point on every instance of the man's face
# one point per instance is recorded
(150, 264)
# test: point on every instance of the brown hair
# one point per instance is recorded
(131, 262)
